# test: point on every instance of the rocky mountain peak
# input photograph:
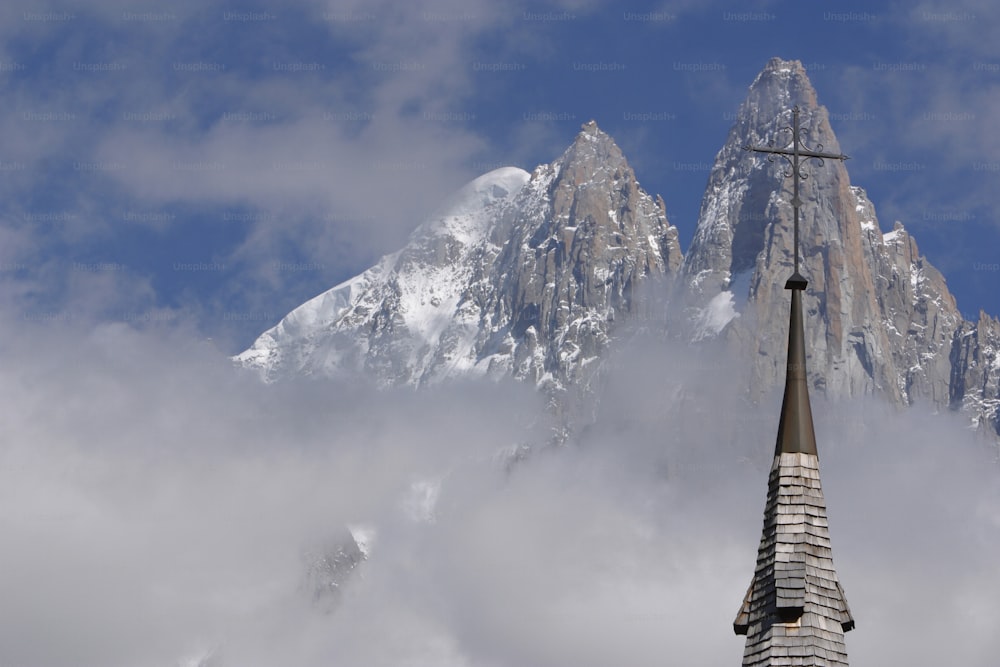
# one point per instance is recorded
(742, 251)
(780, 85)
(530, 276)
(590, 133)
(744, 188)
(591, 157)
(879, 317)
(518, 274)
(584, 246)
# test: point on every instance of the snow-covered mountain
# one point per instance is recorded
(518, 274)
(532, 275)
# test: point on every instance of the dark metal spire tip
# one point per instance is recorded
(797, 281)
(795, 426)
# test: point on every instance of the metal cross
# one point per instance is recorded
(797, 151)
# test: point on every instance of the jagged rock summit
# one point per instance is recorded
(880, 318)
(532, 275)
(519, 274)
(742, 249)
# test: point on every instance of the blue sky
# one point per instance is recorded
(183, 170)
(207, 166)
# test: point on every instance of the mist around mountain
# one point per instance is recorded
(160, 509)
(533, 276)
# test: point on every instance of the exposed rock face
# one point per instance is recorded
(531, 276)
(518, 275)
(328, 567)
(879, 317)
(742, 250)
(918, 312)
(576, 254)
(975, 372)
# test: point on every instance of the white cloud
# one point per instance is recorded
(156, 505)
(330, 168)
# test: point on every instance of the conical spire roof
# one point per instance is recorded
(795, 426)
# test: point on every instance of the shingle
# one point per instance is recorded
(795, 571)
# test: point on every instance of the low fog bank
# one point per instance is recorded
(156, 505)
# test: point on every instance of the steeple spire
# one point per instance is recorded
(795, 611)
(795, 427)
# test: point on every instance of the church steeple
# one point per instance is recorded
(795, 608)
(795, 611)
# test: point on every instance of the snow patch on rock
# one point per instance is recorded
(714, 317)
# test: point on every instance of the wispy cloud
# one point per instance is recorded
(332, 138)
(925, 116)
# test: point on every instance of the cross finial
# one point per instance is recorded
(793, 155)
